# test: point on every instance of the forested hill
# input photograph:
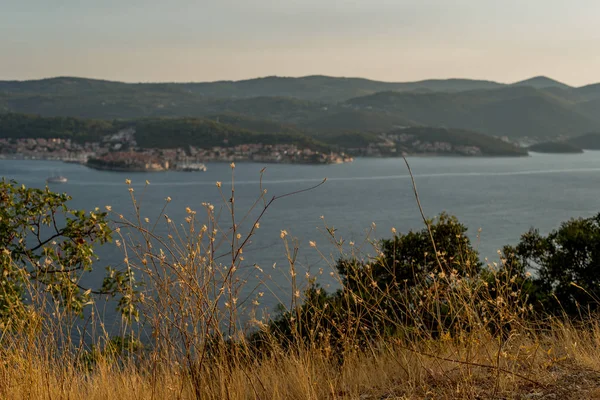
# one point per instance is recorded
(425, 140)
(514, 111)
(150, 132)
(322, 106)
(314, 88)
(20, 126)
(231, 130)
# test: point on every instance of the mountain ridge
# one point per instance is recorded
(325, 105)
(286, 77)
(542, 82)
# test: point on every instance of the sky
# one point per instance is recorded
(391, 40)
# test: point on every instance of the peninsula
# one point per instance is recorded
(158, 144)
(153, 145)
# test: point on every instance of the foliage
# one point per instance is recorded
(46, 248)
(254, 124)
(410, 258)
(566, 263)
(18, 126)
(384, 296)
(205, 133)
(418, 314)
(349, 141)
(113, 350)
(346, 121)
(231, 130)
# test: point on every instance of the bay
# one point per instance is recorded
(497, 198)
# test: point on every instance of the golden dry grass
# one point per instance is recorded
(563, 364)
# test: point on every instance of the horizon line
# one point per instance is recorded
(294, 77)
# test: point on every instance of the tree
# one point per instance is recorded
(407, 285)
(45, 249)
(410, 258)
(566, 265)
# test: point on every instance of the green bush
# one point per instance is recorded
(46, 247)
(566, 266)
(404, 289)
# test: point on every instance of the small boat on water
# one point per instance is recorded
(192, 167)
(57, 179)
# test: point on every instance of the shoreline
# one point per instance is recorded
(247, 160)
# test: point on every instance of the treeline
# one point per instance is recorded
(427, 283)
(228, 130)
(204, 133)
(158, 132)
(19, 126)
(432, 282)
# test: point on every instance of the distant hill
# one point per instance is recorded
(541, 82)
(285, 110)
(323, 106)
(18, 126)
(489, 146)
(555, 147)
(89, 98)
(315, 88)
(355, 121)
(227, 131)
(588, 141)
(590, 108)
(202, 132)
(589, 92)
(150, 132)
(254, 124)
(509, 111)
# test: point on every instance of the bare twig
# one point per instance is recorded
(416, 193)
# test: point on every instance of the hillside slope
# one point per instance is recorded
(149, 132)
(315, 88)
(541, 82)
(457, 138)
(320, 104)
(588, 141)
(515, 112)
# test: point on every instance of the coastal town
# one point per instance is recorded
(413, 144)
(398, 144)
(120, 152)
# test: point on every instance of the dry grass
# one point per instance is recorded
(565, 365)
(192, 312)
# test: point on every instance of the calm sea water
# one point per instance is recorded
(503, 197)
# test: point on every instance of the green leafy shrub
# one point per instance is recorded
(409, 288)
(566, 265)
(46, 247)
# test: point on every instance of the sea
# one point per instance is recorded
(498, 199)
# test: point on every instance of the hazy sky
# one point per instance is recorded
(395, 40)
